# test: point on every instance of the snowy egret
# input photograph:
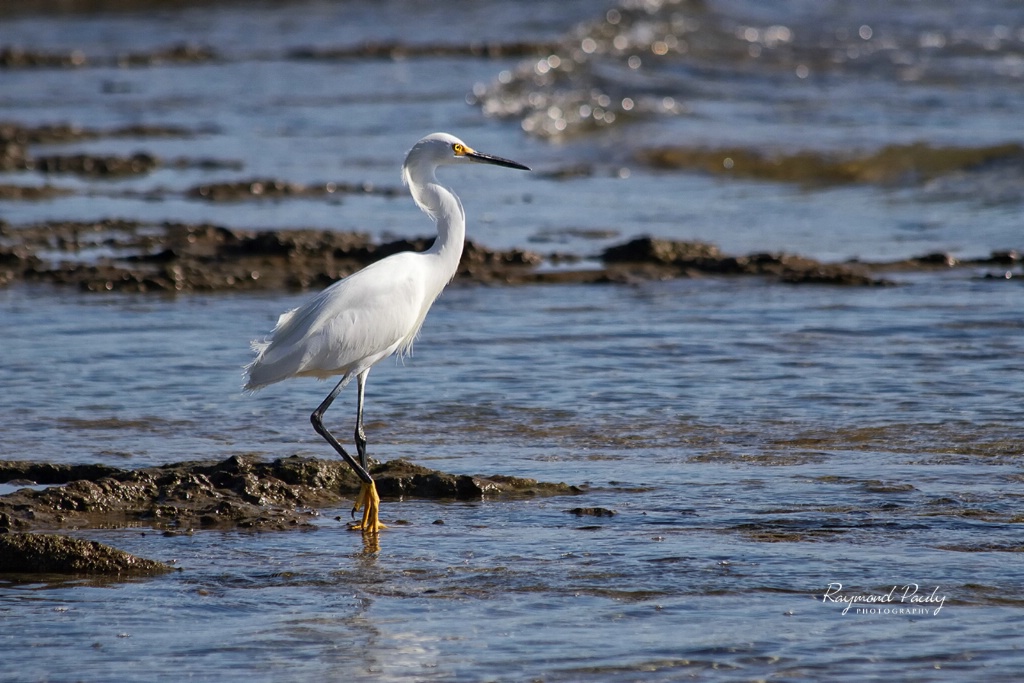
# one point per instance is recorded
(366, 317)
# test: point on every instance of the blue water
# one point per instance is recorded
(758, 441)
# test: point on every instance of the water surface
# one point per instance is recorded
(758, 441)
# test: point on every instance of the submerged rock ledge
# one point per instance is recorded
(891, 165)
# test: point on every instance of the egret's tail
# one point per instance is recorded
(269, 367)
(255, 372)
(273, 361)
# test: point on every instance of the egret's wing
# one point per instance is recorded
(350, 325)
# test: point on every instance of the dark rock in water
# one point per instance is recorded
(830, 274)
(666, 252)
(399, 50)
(891, 165)
(592, 512)
(206, 258)
(60, 133)
(1005, 257)
(268, 188)
(15, 260)
(941, 259)
(30, 192)
(54, 554)
(18, 58)
(93, 165)
(13, 155)
(49, 473)
(403, 478)
(15, 140)
(649, 256)
(182, 53)
(174, 257)
(239, 492)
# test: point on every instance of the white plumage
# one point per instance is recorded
(376, 312)
(348, 327)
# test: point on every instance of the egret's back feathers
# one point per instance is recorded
(377, 311)
(348, 327)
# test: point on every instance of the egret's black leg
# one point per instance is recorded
(360, 434)
(317, 419)
(368, 499)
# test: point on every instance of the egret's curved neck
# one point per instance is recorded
(445, 209)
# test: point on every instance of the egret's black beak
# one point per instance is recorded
(497, 161)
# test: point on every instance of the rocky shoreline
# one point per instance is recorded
(114, 255)
(128, 255)
(243, 493)
(239, 493)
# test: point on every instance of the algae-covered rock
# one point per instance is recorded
(892, 164)
(655, 257)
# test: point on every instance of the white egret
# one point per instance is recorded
(366, 317)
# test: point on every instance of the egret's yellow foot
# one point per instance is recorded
(369, 502)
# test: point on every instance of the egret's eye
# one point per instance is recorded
(459, 149)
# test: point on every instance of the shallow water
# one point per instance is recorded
(758, 441)
(755, 452)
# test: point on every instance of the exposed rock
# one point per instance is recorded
(30, 192)
(670, 258)
(174, 257)
(399, 50)
(15, 140)
(13, 156)
(891, 165)
(592, 512)
(829, 274)
(661, 251)
(94, 165)
(240, 492)
(183, 53)
(268, 188)
(18, 58)
(54, 554)
(60, 133)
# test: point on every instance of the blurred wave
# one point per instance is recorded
(730, 60)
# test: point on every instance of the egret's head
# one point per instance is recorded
(439, 149)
